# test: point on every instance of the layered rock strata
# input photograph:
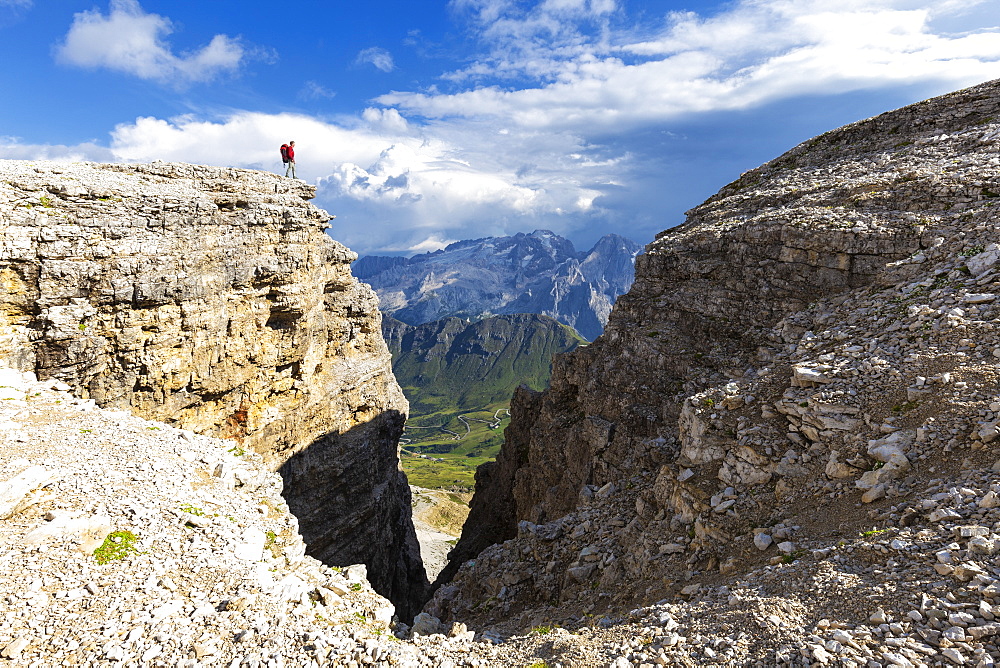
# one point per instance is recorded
(211, 299)
(786, 356)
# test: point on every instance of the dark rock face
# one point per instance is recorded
(212, 299)
(527, 273)
(328, 486)
(833, 215)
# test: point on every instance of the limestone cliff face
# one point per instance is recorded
(211, 299)
(713, 300)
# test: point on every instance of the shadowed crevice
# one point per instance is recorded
(353, 506)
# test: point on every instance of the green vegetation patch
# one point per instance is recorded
(117, 546)
(193, 510)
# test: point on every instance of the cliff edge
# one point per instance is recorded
(212, 300)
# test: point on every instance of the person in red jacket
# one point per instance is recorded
(288, 157)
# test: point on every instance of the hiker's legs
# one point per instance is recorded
(290, 169)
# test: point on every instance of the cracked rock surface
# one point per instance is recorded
(128, 542)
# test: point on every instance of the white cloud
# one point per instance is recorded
(585, 143)
(386, 120)
(378, 57)
(428, 245)
(393, 186)
(11, 148)
(757, 52)
(129, 40)
(15, 3)
(314, 91)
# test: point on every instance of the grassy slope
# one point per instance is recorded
(449, 368)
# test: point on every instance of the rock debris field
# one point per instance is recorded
(202, 562)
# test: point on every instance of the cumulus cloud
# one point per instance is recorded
(565, 120)
(129, 40)
(378, 57)
(757, 52)
(393, 185)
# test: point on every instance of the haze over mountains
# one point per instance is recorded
(538, 273)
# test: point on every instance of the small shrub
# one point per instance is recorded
(117, 546)
(973, 250)
(872, 532)
(792, 556)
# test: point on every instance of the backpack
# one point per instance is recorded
(284, 153)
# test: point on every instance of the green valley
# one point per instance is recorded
(459, 377)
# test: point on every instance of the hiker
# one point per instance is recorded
(288, 157)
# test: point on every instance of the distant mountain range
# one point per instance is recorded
(538, 273)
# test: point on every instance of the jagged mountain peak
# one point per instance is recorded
(539, 272)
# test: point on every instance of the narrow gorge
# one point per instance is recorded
(211, 299)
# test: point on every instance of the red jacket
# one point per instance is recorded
(291, 154)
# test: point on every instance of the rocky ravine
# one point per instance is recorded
(784, 446)
(212, 300)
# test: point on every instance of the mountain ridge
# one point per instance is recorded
(539, 272)
(460, 377)
(479, 362)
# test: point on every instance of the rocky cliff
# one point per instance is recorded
(538, 273)
(212, 300)
(809, 361)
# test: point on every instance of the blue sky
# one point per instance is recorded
(426, 123)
